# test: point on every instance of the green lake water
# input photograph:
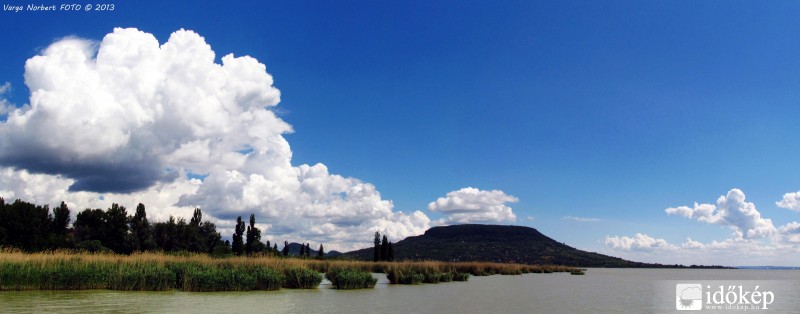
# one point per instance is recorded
(599, 291)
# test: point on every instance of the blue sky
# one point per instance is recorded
(613, 111)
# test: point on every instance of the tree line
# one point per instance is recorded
(32, 227)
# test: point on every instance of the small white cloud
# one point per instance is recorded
(790, 201)
(581, 219)
(471, 205)
(790, 233)
(792, 227)
(692, 244)
(637, 242)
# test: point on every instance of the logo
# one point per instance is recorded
(732, 296)
(689, 297)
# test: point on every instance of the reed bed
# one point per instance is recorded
(348, 278)
(473, 268)
(460, 276)
(67, 270)
(411, 273)
(404, 276)
(194, 276)
(301, 278)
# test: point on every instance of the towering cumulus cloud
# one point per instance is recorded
(733, 211)
(130, 120)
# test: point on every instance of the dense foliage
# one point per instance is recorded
(34, 228)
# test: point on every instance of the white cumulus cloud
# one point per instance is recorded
(733, 211)
(118, 115)
(637, 242)
(128, 119)
(790, 201)
(692, 244)
(471, 205)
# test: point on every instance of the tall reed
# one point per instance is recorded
(301, 278)
(350, 278)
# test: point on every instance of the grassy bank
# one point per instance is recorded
(64, 270)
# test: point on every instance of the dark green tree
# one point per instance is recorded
(116, 227)
(302, 250)
(197, 218)
(269, 246)
(285, 248)
(222, 249)
(192, 237)
(3, 222)
(25, 226)
(238, 241)
(212, 238)
(60, 219)
(377, 253)
(253, 244)
(89, 228)
(275, 248)
(90, 225)
(385, 248)
(321, 252)
(59, 227)
(391, 253)
(308, 249)
(184, 236)
(165, 234)
(141, 230)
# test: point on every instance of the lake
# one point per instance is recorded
(599, 291)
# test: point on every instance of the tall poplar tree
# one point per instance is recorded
(376, 255)
(140, 228)
(238, 242)
(253, 244)
(385, 248)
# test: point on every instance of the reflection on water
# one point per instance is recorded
(599, 291)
